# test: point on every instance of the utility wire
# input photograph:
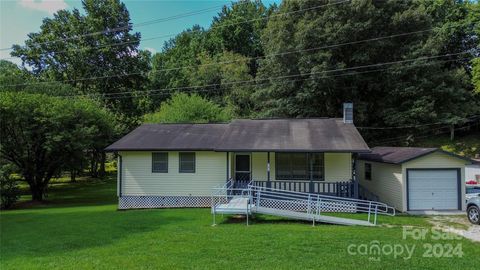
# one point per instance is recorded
(106, 31)
(419, 137)
(287, 53)
(267, 55)
(412, 126)
(218, 26)
(141, 73)
(168, 91)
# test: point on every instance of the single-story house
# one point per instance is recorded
(177, 165)
(411, 178)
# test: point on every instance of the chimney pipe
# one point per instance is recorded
(348, 113)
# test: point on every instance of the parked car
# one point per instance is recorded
(472, 191)
(473, 210)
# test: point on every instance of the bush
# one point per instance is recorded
(184, 108)
(9, 191)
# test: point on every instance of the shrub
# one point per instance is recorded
(9, 191)
(184, 108)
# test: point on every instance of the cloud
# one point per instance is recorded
(49, 6)
(152, 50)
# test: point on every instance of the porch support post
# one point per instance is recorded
(268, 170)
(310, 161)
(354, 176)
(228, 166)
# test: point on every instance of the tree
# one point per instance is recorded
(65, 50)
(197, 56)
(238, 28)
(224, 79)
(11, 74)
(476, 74)
(40, 134)
(416, 92)
(173, 67)
(184, 108)
(9, 191)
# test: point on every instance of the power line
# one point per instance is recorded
(400, 127)
(170, 90)
(106, 31)
(250, 58)
(412, 126)
(419, 137)
(288, 52)
(141, 73)
(218, 26)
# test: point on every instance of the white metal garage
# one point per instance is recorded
(433, 189)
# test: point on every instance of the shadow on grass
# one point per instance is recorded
(382, 220)
(80, 193)
(262, 219)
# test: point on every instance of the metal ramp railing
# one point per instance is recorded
(291, 204)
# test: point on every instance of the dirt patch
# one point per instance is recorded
(458, 225)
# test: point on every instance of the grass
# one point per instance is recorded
(80, 228)
(464, 145)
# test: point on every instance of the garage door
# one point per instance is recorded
(432, 189)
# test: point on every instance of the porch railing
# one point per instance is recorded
(346, 189)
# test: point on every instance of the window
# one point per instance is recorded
(187, 163)
(299, 166)
(368, 171)
(159, 162)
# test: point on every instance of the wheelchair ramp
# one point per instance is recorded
(308, 217)
(295, 205)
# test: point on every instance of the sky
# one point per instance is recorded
(20, 17)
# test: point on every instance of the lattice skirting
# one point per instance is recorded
(294, 205)
(137, 202)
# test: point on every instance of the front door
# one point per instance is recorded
(242, 167)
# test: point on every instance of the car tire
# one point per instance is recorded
(473, 214)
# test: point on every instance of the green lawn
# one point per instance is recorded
(465, 145)
(81, 229)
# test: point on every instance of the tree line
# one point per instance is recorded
(84, 81)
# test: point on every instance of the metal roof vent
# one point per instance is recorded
(348, 113)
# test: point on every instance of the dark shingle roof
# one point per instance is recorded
(171, 137)
(398, 155)
(321, 135)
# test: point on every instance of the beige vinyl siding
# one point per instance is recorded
(338, 167)
(138, 179)
(436, 160)
(386, 183)
(259, 166)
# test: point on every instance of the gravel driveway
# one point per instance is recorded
(459, 225)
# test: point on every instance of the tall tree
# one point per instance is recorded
(238, 28)
(97, 44)
(41, 134)
(420, 91)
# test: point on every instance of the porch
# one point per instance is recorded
(317, 173)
